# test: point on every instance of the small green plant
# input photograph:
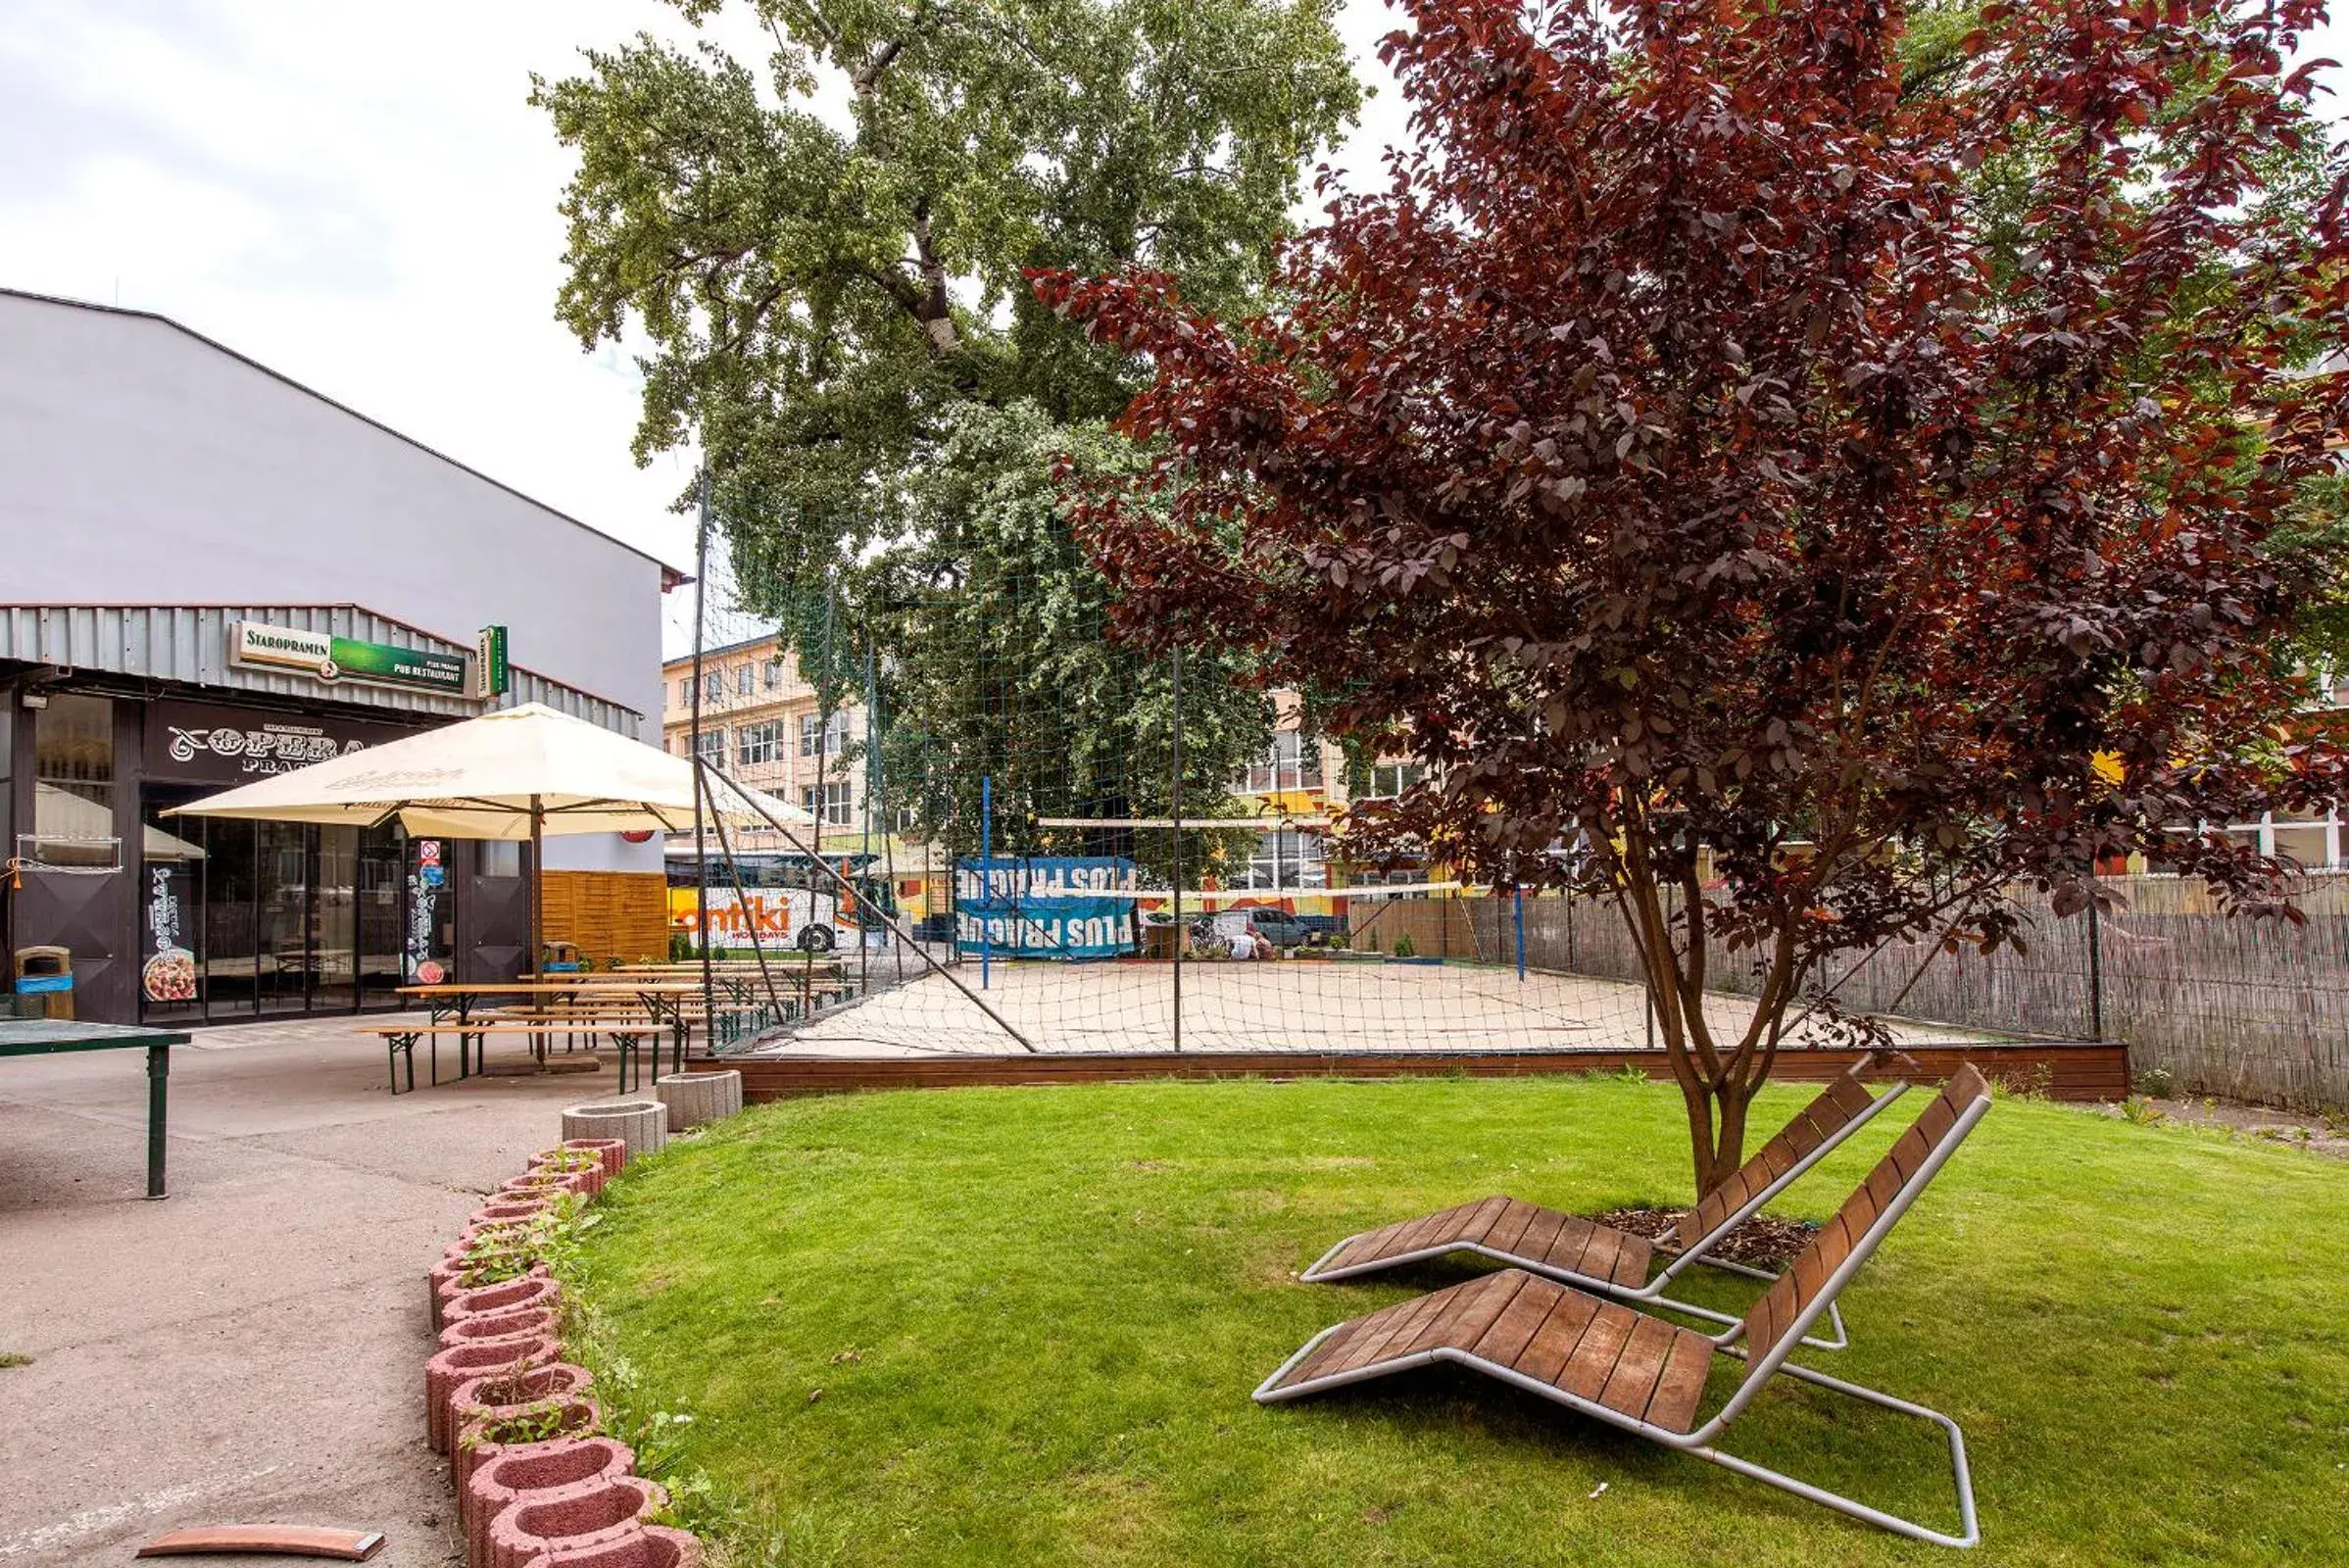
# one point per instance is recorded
(536, 1423)
(1405, 948)
(14, 1358)
(2157, 1082)
(2142, 1112)
(1630, 1073)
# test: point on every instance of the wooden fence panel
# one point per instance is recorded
(2257, 1009)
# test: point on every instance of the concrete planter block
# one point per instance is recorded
(511, 1208)
(532, 1290)
(517, 1323)
(525, 1474)
(694, 1098)
(613, 1151)
(501, 1396)
(595, 1514)
(564, 1418)
(547, 1184)
(581, 1164)
(447, 1284)
(641, 1124)
(463, 1363)
(655, 1546)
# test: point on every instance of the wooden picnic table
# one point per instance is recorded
(663, 997)
(40, 1037)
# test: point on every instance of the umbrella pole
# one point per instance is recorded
(538, 911)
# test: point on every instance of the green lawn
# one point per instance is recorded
(1020, 1327)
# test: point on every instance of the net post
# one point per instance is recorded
(1175, 812)
(986, 868)
(1517, 908)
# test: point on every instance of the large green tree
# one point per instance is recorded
(826, 257)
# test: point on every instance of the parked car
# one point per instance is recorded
(1279, 927)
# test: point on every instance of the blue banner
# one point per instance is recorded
(1044, 906)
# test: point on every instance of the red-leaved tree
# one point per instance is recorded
(1704, 447)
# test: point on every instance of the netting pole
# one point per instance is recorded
(1174, 794)
(2095, 964)
(1517, 901)
(841, 883)
(986, 870)
(700, 840)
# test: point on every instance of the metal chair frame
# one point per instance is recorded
(1774, 1360)
(1654, 1290)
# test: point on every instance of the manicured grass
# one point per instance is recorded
(1020, 1327)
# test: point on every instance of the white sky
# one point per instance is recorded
(362, 199)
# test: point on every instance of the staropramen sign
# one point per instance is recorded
(254, 644)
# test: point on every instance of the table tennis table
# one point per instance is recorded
(40, 1037)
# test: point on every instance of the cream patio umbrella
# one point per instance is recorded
(517, 773)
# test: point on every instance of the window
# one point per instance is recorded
(1293, 763)
(756, 745)
(1387, 781)
(742, 680)
(828, 739)
(500, 857)
(834, 812)
(774, 674)
(714, 748)
(73, 782)
(713, 686)
(1286, 858)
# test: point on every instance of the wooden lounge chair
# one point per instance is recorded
(1642, 1373)
(1598, 1257)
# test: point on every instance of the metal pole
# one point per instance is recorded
(538, 890)
(1174, 796)
(986, 870)
(693, 738)
(1517, 899)
(895, 929)
(2095, 965)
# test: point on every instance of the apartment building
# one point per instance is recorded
(762, 724)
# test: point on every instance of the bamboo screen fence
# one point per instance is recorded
(2226, 1006)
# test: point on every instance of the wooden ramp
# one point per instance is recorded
(1640, 1366)
(1501, 1227)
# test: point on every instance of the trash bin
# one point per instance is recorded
(44, 977)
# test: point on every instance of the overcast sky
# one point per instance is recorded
(362, 199)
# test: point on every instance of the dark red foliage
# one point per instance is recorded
(1682, 452)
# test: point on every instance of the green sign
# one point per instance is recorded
(493, 676)
(338, 659)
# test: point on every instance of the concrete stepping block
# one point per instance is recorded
(641, 1124)
(695, 1098)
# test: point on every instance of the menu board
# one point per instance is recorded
(428, 941)
(168, 967)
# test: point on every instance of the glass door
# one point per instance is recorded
(381, 917)
(281, 869)
(334, 920)
(232, 940)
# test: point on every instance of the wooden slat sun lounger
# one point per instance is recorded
(1645, 1374)
(1594, 1257)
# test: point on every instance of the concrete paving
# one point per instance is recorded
(250, 1348)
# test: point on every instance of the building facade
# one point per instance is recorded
(210, 572)
(762, 724)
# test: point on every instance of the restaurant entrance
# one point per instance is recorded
(247, 920)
